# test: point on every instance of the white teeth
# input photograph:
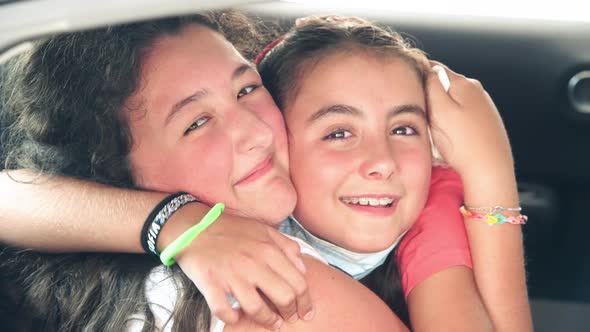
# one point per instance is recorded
(368, 201)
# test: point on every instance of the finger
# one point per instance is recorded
(456, 82)
(217, 301)
(289, 247)
(298, 300)
(437, 97)
(459, 85)
(442, 77)
(293, 277)
(295, 280)
(298, 286)
(304, 304)
(279, 293)
(452, 75)
(254, 306)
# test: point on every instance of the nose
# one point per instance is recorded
(251, 132)
(379, 162)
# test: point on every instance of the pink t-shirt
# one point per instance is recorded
(437, 240)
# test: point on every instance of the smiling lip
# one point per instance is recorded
(258, 171)
(380, 210)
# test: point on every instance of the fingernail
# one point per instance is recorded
(443, 77)
(277, 325)
(309, 315)
(293, 318)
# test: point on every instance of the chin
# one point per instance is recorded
(286, 197)
(274, 216)
(280, 207)
(369, 244)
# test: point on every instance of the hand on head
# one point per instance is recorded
(466, 126)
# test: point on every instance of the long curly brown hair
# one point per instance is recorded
(64, 107)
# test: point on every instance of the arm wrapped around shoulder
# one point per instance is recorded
(438, 239)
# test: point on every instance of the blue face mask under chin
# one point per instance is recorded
(357, 265)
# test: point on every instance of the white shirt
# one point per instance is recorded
(162, 293)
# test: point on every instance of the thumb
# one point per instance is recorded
(289, 247)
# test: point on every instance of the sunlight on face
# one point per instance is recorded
(359, 150)
(207, 126)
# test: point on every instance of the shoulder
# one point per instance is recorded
(341, 304)
(445, 176)
(438, 238)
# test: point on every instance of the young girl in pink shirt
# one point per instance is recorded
(405, 195)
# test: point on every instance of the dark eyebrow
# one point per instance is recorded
(334, 109)
(411, 108)
(239, 71)
(350, 110)
(178, 106)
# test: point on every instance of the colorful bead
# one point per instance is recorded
(465, 212)
(491, 220)
(500, 218)
(496, 218)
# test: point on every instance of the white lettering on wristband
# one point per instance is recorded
(162, 217)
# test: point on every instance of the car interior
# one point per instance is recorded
(537, 71)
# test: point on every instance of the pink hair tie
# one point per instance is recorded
(267, 49)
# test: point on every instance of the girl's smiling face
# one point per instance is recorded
(202, 122)
(359, 150)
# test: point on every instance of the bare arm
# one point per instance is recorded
(448, 301)
(435, 263)
(498, 255)
(473, 140)
(59, 214)
(341, 304)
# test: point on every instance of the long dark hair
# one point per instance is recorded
(64, 104)
(301, 48)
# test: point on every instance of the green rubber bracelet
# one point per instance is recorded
(167, 255)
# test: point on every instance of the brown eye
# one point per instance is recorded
(197, 124)
(338, 134)
(404, 131)
(247, 90)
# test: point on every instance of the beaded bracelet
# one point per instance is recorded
(159, 216)
(493, 215)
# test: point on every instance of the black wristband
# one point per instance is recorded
(159, 216)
